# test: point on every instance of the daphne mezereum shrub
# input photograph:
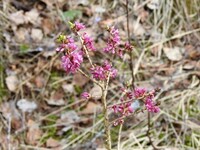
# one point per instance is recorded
(131, 100)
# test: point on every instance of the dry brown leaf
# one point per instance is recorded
(36, 34)
(106, 23)
(47, 26)
(69, 117)
(12, 82)
(96, 92)
(79, 79)
(192, 52)
(39, 81)
(173, 54)
(17, 17)
(52, 143)
(56, 99)
(21, 35)
(91, 108)
(138, 29)
(32, 16)
(189, 65)
(68, 88)
(34, 133)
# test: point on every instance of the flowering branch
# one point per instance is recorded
(132, 102)
(85, 49)
(105, 111)
(87, 76)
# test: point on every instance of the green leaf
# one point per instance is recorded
(71, 14)
(23, 48)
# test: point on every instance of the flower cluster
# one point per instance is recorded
(88, 42)
(139, 92)
(67, 45)
(78, 26)
(85, 95)
(102, 72)
(113, 42)
(72, 58)
(71, 62)
(150, 105)
(131, 101)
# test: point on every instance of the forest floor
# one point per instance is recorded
(40, 105)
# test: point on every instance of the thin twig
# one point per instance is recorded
(130, 52)
(105, 112)
(85, 49)
(119, 137)
(140, 98)
(122, 117)
(87, 76)
(148, 132)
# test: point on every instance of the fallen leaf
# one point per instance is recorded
(56, 99)
(33, 17)
(96, 92)
(173, 54)
(17, 17)
(26, 106)
(189, 65)
(192, 52)
(138, 29)
(91, 108)
(47, 26)
(69, 117)
(79, 79)
(12, 82)
(34, 133)
(52, 143)
(36, 34)
(39, 81)
(68, 88)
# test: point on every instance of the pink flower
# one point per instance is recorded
(85, 95)
(88, 42)
(98, 73)
(129, 94)
(108, 67)
(61, 48)
(139, 92)
(101, 73)
(151, 107)
(115, 108)
(79, 26)
(68, 44)
(127, 46)
(113, 41)
(113, 73)
(72, 62)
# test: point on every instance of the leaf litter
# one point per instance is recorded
(36, 85)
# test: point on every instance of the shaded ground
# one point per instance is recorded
(166, 38)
